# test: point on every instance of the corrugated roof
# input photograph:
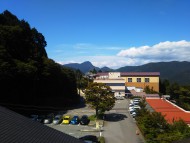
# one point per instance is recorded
(15, 128)
(140, 73)
(102, 74)
(133, 74)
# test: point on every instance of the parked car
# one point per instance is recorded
(89, 139)
(136, 99)
(48, 119)
(137, 107)
(75, 120)
(119, 97)
(58, 119)
(41, 118)
(66, 119)
(84, 120)
(34, 117)
(132, 110)
(133, 114)
(136, 102)
(131, 105)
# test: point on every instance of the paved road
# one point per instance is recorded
(119, 126)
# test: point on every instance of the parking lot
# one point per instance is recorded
(76, 130)
(119, 125)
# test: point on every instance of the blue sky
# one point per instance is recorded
(111, 33)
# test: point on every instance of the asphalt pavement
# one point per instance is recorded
(120, 126)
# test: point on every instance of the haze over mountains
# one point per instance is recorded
(173, 71)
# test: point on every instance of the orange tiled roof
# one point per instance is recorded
(170, 111)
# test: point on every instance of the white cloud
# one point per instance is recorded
(134, 56)
(164, 51)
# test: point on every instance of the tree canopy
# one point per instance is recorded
(179, 94)
(156, 129)
(100, 97)
(27, 75)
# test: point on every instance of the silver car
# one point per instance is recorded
(58, 119)
(48, 119)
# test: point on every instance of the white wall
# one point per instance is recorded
(114, 75)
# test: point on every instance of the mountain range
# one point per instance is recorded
(86, 67)
(174, 71)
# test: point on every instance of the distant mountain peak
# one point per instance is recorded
(83, 67)
(87, 62)
(86, 67)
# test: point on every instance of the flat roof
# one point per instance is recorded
(132, 74)
(140, 73)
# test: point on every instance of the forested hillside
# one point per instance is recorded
(27, 75)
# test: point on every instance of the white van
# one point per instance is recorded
(119, 97)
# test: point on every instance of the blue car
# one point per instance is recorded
(75, 120)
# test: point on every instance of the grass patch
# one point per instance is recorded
(92, 118)
(101, 139)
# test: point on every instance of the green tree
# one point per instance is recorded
(174, 91)
(79, 76)
(94, 71)
(148, 90)
(100, 97)
(27, 75)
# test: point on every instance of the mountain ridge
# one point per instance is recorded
(174, 71)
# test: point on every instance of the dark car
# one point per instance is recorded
(89, 138)
(75, 120)
(34, 117)
(84, 120)
(41, 118)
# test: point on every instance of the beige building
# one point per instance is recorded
(141, 79)
(120, 82)
(114, 80)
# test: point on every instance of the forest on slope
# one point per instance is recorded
(27, 75)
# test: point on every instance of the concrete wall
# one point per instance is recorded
(114, 75)
(116, 89)
(143, 85)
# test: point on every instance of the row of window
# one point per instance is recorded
(138, 80)
(129, 80)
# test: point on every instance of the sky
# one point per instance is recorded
(112, 33)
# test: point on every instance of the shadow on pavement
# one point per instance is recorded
(82, 104)
(114, 117)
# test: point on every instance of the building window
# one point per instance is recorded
(138, 79)
(147, 80)
(130, 80)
